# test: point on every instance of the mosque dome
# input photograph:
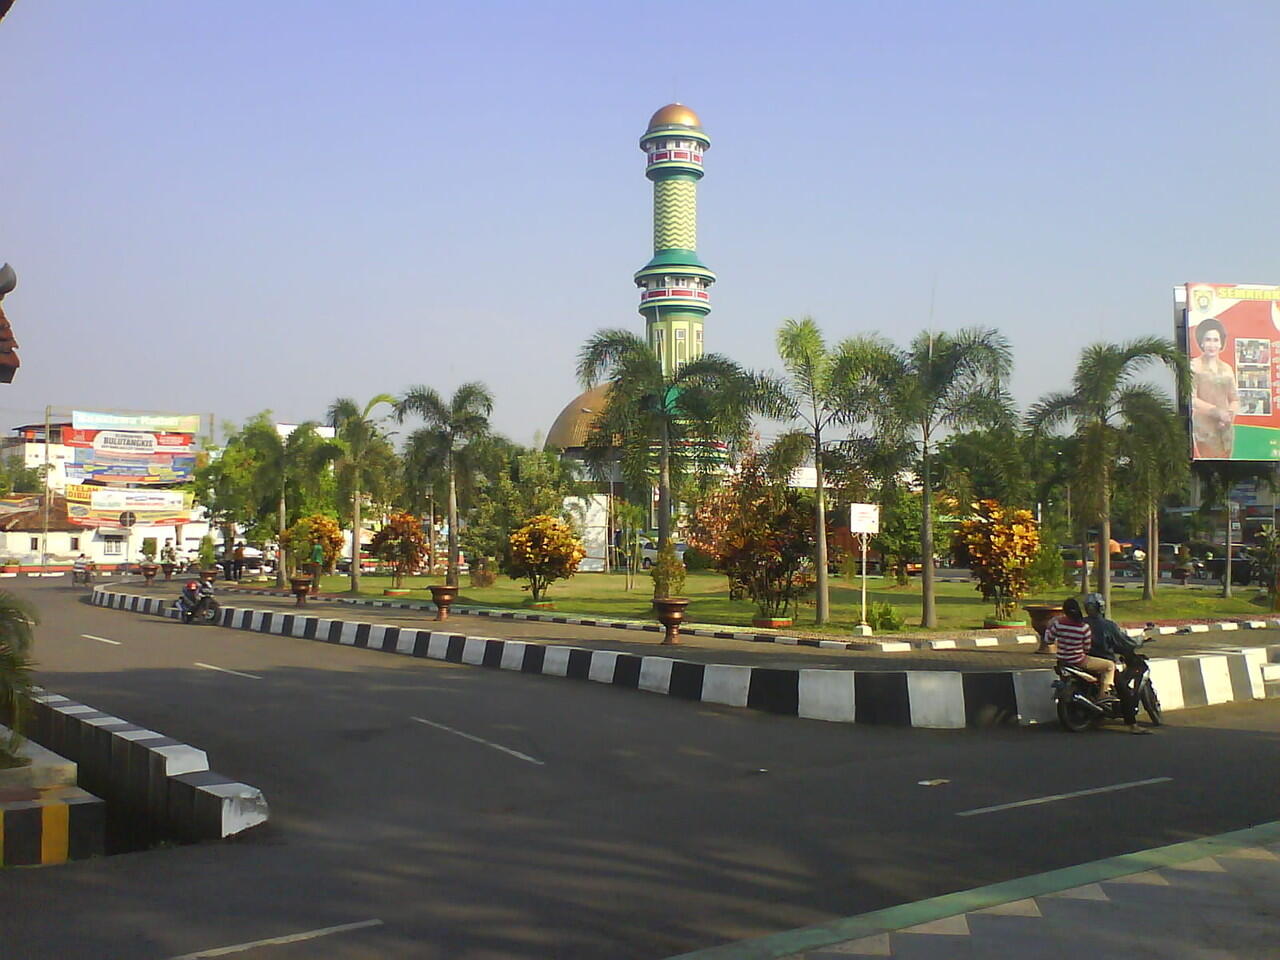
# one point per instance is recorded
(574, 423)
(675, 114)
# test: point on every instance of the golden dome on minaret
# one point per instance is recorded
(675, 114)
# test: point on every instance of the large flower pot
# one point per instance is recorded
(168, 570)
(210, 574)
(670, 614)
(149, 571)
(443, 595)
(395, 591)
(300, 586)
(1041, 614)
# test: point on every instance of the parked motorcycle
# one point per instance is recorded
(1076, 691)
(196, 603)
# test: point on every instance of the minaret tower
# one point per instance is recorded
(675, 285)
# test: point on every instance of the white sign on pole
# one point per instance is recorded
(864, 518)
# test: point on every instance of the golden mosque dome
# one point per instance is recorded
(574, 423)
(675, 114)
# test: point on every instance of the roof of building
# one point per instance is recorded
(31, 520)
(574, 423)
(675, 114)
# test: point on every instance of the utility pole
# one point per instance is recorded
(44, 535)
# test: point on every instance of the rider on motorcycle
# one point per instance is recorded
(1112, 643)
(194, 598)
(1075, 643)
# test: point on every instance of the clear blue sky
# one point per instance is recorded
(245, 205)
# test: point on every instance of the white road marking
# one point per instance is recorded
(467, 736)
(90, 636)
(1064, 796)
(291, 938)
(210, 666)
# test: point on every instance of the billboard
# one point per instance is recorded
(1232, 335)
(103, 507)
(144, 422)
(129, 456)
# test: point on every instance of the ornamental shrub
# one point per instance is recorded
(320, 528)
(401, 544)
(884, 618)
(543, 551)
(667, 573)
(1003, 543)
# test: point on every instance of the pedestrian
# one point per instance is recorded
(237, 562)
(317, 564)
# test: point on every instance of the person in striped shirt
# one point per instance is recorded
(1073, 640)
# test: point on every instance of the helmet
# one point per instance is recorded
(1094, 603)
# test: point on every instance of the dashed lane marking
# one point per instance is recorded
(467, 736)
(1064, 796)
(90, 636)
(210, 666)
(272, 941)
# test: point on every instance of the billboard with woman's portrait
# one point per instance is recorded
(1233, 340)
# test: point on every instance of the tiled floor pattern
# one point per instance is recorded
(1221, 907)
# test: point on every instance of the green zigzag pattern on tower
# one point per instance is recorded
(675, 214)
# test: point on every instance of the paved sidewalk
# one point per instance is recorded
(1212, 899)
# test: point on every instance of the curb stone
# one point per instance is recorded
(939, 699)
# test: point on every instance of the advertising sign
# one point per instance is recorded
(102, 507)
(143, 422)
(1233, 340)
(128, 443)
(864, 518)
(168, 470)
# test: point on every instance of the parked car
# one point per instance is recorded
(649, 552)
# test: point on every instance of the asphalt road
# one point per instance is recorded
(483, 814)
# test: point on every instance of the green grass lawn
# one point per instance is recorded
(959, 604)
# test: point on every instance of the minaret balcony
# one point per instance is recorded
(665, 295)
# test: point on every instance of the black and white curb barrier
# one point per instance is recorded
(947, 699)
(155, 787)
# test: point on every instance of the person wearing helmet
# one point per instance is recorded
(1112, 643)
(1074, 641)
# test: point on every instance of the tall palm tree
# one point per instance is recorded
(808, 393)
(1104, 398)
(940, 381)
(280, 463)
(680, 413)
(451, 440)
(357, 452)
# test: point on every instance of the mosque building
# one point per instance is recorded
(675, 285)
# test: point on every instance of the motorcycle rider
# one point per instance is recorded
(1112, 643)
(194, 598)
(1074, 640)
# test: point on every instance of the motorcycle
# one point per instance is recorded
(1076, 691)
(202, 608)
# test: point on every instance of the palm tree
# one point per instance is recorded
(16, 635)
(1104, 398)
(451, 441)
(280, 462)
(358, 453)
(681, 413)
(809, 394)
(941, 381)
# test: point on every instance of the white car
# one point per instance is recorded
(649, 552)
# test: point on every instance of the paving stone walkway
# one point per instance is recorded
(1211, 899)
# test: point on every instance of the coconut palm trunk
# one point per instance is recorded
(929, 605)
(823, 611)
(452, 576)
(355, 540)
(1104, 540)
(282, 520)
(664, 487)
